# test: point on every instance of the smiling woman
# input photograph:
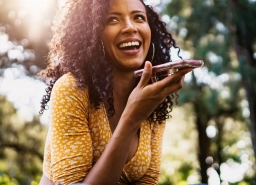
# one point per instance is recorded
(107, 125)
(126, 52)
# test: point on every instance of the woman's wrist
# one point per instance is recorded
(128, 123)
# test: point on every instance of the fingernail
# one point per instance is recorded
(146, 66)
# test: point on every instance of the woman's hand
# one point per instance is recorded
(141, 103)
(146, 97)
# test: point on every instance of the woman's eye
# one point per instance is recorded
(112, 19)
(140, 17)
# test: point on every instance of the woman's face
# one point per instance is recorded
(127, 35)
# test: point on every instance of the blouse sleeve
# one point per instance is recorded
(152, 174)
(68, 151)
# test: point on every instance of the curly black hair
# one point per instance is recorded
(76, 48)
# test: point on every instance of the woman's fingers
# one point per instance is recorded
(160, 89)
(172, 83)
(146, 97)
(146, 75)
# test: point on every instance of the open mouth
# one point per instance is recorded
(129, 45)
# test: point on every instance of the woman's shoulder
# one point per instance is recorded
(68, 83)
(66, 79)
(67, 98)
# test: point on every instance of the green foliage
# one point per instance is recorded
(6, 180)
(21, 146)
(222, 33)
(179, 163)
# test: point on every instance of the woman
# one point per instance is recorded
(106, 125)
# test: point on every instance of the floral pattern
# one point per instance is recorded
(78, 134)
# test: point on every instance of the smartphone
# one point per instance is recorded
(173, 66)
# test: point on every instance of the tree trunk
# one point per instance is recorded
(203, 143)
(220, 124)
(252, 106)
(245, 52)
(249, 86)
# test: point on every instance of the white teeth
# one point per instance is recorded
(135, 43)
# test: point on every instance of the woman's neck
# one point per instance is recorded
(123, 84)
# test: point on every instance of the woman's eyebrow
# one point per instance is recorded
(138, 11)
(133, 12)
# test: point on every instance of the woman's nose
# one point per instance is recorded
(129, 27)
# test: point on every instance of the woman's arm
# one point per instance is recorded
(70, 126)
(45, 180)
(142, 101)
(68, 150)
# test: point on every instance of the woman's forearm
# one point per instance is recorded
(109, 167)
(45, 180)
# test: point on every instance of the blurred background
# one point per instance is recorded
(211, 137)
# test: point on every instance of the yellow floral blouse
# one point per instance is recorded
(78, 134)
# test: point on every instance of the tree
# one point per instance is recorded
(215, 31)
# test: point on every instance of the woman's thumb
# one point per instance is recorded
(146, 75)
